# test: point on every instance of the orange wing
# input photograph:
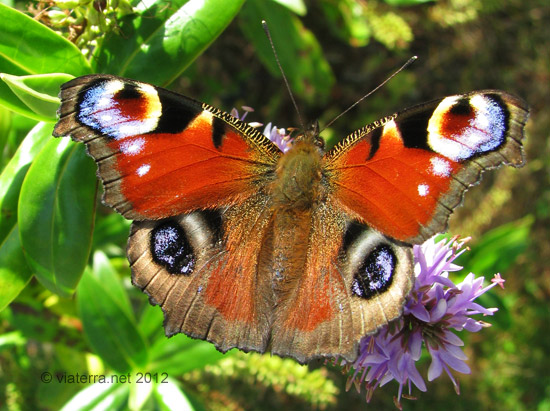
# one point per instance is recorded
(159, 153)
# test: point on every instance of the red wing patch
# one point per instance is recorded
(396, 191)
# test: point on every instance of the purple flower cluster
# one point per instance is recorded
(435, 308)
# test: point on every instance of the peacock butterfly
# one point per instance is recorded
(301, 253)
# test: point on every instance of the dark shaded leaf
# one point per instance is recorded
(165, 38)
(14, 271)
(13, 174)
(112, 333)
(181, 354)
(29, 47)
(300, 54)
(56, 214)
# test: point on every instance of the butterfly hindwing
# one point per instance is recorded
(204, 270)
(350, 282)
(404, 175)
(161, 154)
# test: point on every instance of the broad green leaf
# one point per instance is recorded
(297, 6)
(117, 49)
(100, 396)
(111, 230)
(299, 52)
(170, 397)
(29, 47)
(107, 275)
(498, 249)
(150, 322)
(56, 214)
(5, 131)
(17, 129)
(158, 51)
(141, 391)
(181, 354)
(111, 332)
(13, 174)
(36, 95)
(14, 271)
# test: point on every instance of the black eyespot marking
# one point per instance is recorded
(177, 112)
(353, 231)
(218, 131)
(376, 273)
(376, 134)
(171, 249)
(461, 108)
(129, 92)
(414, 128)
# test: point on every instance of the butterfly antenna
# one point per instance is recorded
(403, 67)
(268, 34)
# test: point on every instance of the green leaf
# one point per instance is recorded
(158, 45)
(349, 21)
(299, 52)
(498, 249)
(107, 275)
(56, 214)
(14, 271)
(35, 95)
(111, 332)
(150, 322)
(181, 354)
(11, 339)
(111, 230)
(13, 174)
(29, 47)
(100, 396)
(296, 6)
(141, 391)
(170, 397)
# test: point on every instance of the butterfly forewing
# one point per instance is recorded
(155, 148)
(405, 177)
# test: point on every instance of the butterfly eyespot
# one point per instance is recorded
(375, 274)
(171, 249)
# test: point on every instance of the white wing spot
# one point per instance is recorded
(133, 146)
(423, 190)
(440, 167)
(143, 169)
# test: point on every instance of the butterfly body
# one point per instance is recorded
(300, 253)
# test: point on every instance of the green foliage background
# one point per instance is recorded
(66, 302)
